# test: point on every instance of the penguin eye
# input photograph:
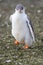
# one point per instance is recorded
(21, 8)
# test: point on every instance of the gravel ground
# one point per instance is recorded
(14, 55)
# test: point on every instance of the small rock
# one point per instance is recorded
(7, 47)
(20, 63)
(32, 5)
(38, 11)
(15, 56)
(33, 53)
(8, 61)
(0, 15)
(28, 13)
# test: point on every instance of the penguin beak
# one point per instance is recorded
(20, 11)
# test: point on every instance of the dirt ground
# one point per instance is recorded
(11, 54)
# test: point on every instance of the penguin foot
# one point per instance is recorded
(26, 47)
(16, 42)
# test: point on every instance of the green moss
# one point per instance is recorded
(9, 51)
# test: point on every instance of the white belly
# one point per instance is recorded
(19, 29)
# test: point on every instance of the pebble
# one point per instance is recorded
(32, 5)
(7, 47)
(20, 63)
(38, 11)
(0, 15)
(33, 53)
(8, 61)
(28, 13)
